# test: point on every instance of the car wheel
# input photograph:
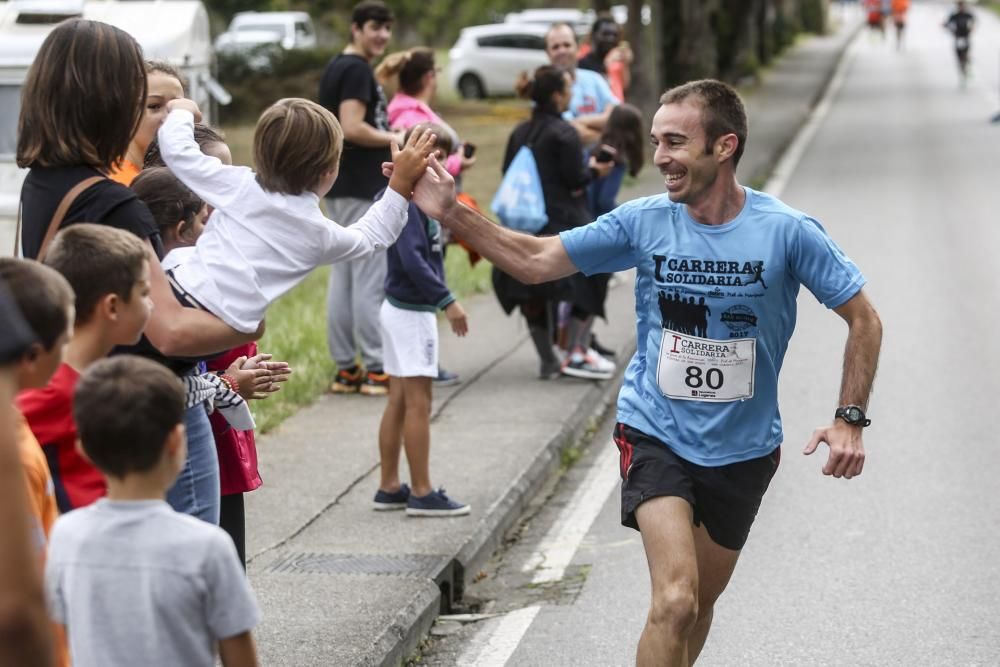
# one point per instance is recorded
(470, 86)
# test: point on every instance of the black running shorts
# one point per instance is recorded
(725, 498)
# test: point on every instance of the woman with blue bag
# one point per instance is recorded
(555, 146)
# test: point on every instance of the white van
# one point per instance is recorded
(290, 30)
(172, 30)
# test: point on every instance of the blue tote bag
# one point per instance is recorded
(519, 201)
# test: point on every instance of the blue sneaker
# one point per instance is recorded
(446, 378)
(385, 501)
(435, 503)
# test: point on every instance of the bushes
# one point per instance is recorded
(262, 75)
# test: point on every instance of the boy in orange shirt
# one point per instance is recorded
(46, 301)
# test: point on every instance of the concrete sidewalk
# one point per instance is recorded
(340, 584)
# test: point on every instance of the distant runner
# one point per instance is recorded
(960, 24)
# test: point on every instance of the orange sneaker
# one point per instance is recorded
(347, 380)
(375, 383)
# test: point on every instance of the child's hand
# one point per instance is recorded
(279, 373)
(251, 380)
(185, 103)
(410, 162)
(456, 318)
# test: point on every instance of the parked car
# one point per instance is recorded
(487, 59)
(289, 30)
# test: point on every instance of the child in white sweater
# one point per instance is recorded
(267, 232)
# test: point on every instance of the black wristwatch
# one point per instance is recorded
(853, 415)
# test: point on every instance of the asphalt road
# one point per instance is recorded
(900, 566)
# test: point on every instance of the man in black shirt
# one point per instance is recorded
(960, 24)
(349, 89)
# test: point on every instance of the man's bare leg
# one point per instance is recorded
(715, 568)
(668, 537)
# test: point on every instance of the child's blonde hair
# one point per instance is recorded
(295, 142)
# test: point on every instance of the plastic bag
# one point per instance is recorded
(519, 201)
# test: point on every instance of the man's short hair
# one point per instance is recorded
(371, 10)
(97, 260)
(42, 295)
(296, 140)
(722, 111)
(125, 407)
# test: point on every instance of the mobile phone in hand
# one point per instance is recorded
(606, 154)
(469, 150)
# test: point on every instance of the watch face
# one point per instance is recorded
(853, 414)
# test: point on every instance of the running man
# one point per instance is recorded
(960, 24)
(699, 431)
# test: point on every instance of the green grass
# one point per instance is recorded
(296, 333)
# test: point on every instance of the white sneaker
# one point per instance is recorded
(590, 366)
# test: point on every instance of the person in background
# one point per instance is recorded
(415, 290)
(25, 633)
(131, 580)
(608, 55)
(591, 99)
(621, 143)
(163, 83)
(417, 82)
(416, 75)
(349, 89)
(899, 9)
(564, 178)
(46, 300)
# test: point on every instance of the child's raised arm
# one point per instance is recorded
(214, 182)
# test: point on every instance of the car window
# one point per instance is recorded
(303, 28)
(265, 27)
(512, 41)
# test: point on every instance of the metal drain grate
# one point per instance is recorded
(404, 565)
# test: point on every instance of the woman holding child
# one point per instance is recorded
(80, 111)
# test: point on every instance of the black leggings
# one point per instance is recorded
(233, 520)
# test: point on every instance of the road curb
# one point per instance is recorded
(414, 622)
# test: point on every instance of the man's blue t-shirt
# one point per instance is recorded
(591, 94)
(715, 308)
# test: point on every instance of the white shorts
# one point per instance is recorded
(409, 341)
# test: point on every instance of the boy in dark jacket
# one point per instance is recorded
(415, 290)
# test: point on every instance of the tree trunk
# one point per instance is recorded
(643, 91)
(602, 6)
(689, 40)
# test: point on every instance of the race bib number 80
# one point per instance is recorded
(702, 369)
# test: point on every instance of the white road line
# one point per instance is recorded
(793, 154)
(559, 545)
(502, 640)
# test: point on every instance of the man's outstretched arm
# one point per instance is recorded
(530, 259)
(864, 340)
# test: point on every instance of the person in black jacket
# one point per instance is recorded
(564, 176)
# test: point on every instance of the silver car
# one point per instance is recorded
(487, 59)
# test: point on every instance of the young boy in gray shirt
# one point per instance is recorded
(133, 581)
